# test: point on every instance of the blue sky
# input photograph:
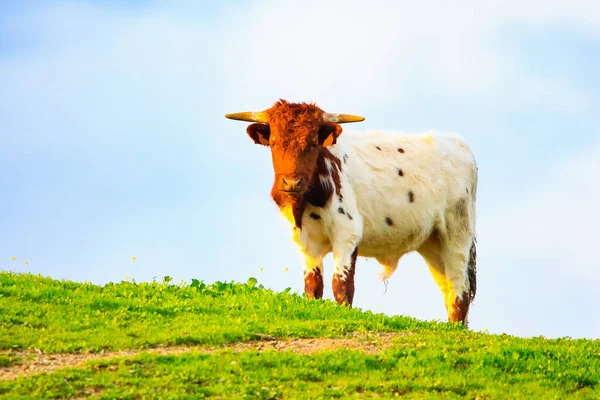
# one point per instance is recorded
(113, 142)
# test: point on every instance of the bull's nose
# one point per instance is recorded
(289, 184)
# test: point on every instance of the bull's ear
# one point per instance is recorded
(329, 133)
(259, 133)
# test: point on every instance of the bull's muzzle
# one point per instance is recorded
(292, 185)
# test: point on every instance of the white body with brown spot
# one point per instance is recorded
(400, 193)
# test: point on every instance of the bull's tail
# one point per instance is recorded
(472, 270)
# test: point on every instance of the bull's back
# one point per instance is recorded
(403, 184)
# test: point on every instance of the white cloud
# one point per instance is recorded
(354, 52)
(558, 219)
(104, 77)
(579, 15)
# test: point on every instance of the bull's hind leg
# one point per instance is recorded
(452, 266)
(458, 297)
(458, 253)
(431, 251)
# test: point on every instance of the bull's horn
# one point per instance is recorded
(342, 118)
(249, 116)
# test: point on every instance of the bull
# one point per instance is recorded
(372, 194)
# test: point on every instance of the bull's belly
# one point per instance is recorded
(388, 247)
(393, 241)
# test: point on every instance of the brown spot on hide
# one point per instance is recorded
(389, 221)
(461, 208)
(341, 210)
(313, 284)
(459, 309)
(340, 197)
(315, 216)
(322, 169)
(400, 150)
(349, 217)
(336, 168)
(400, 172)
(345, 158)
(411, 197)
(378, 148)
(334, 160)
(343, 291)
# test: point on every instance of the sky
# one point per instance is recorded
(113, 141)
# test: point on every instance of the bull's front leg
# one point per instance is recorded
(343, 276)
(313, 278)
(313, 252)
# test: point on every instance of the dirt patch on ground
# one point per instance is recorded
(368, 343)
(33, 362)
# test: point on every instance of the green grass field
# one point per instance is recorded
(348, 355)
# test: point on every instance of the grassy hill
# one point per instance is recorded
(232, 340)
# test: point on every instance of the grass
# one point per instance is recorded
(437, 360)
(62, 316)
(9, 360)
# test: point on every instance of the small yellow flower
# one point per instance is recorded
(133, 258)
(25, 262)
(286, 269)
(127, 277)
(13, 258)
(260, 269)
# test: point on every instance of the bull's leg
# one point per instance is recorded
(343, 276)
(448, 262)
(457, 241)
(457, 294)
(313, 279)
(313, 268)
(431, 251)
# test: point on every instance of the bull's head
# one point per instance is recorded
(296, 133)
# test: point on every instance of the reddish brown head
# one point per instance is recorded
(296, 133)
